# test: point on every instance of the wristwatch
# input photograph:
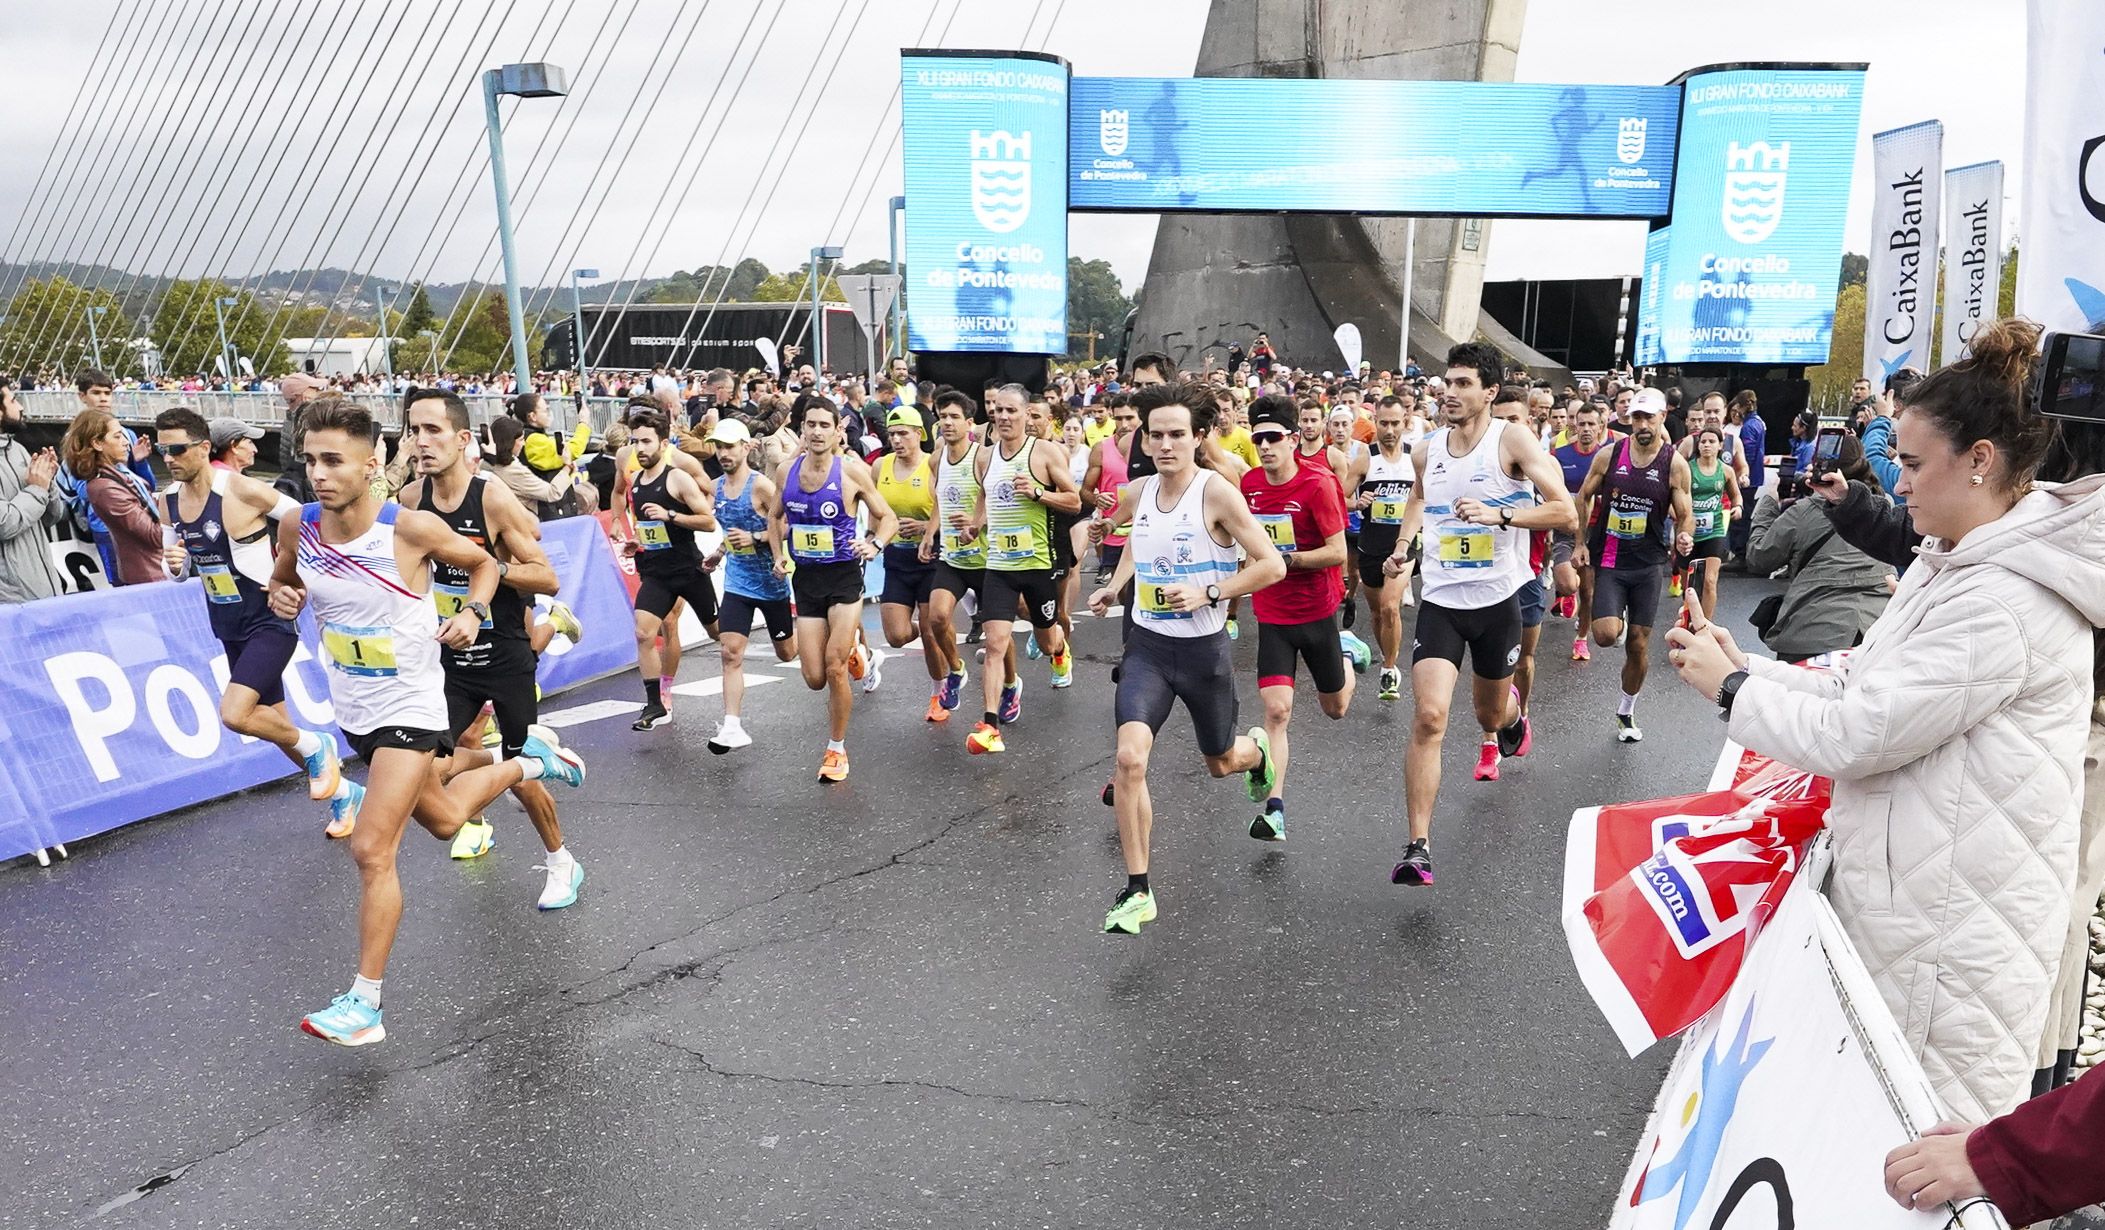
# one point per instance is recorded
(1505, 518)
(1213, 594)
(503, 570)
(481, 609)
(1728, 692)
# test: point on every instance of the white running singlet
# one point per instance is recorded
(1468, 567)
(379, 637)
(1175, 547)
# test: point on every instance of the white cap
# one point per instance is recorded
(1648, 401)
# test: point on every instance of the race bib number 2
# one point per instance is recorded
(451, 600)
(1468, 546)
(368, 652)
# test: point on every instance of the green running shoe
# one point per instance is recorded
(1128, 912)
(1270, 825)
(1266, 775)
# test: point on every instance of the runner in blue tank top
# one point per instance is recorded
(817, 548)
(745, 500)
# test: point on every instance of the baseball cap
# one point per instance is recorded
(225, 431)
(729, 431)
(905, 416)
(1648, 401)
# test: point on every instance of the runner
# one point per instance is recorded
(1511, 408)
(1023, 481)
(1472, 497)
(814, 526)
(1303, 514)
(1107, 477)
(745, 500)
(1574, 580)
(626, 465)
(222, 521)
(365, 566)
(1342, 421)
(954, 544)
(496, 671)
(1381, 482)
(1641, 482)
(1178, 648)
(667, 505)
(1714, 493)
(906, 479)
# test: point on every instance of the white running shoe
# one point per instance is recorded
(873, 677)
(730, 735)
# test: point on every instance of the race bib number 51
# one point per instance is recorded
(1279, 527)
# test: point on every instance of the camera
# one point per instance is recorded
(2069, 377)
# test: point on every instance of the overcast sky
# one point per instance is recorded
(315, 154)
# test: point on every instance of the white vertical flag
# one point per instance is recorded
(2061, 265)
(1973, 265)
(1900, 293)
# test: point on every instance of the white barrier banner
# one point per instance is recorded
(1973, 267)
(1900, 293)
(2061, 278)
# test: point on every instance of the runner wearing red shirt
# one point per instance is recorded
(1302, 511)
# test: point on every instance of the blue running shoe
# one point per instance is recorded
(347, 1021)
(558, 763)
(953, 689)
(1030, 648)
(324, 768)
(343, 812)
(1356, 649)
(1011, 702)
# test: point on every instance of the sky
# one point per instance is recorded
(272, 134)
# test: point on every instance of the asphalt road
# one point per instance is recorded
(883, 1003)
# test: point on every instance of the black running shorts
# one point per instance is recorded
(507, 684)
(1039, 588)
(1159, 670)
(736, 617)
(1489, 635)
(1315, 642)
(1631, 594)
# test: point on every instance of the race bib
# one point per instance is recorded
(1706, 523)
(1627, 524)
(451, 600)
(653, 536)
(1124, 509)
(369, 652)
(812, 541)
(748, 549)
(1011, 545)
(1386, 512)
(1153, 600)
(1468, 546)
(219, 583)
(1279, 527)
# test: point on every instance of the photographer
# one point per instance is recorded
(1955, 736)
(1835, 591)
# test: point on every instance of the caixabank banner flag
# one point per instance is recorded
(985, 155)
(1481, 149)
(1973, 260)
(1761, 192)
(2061, 279)
(1900, 289)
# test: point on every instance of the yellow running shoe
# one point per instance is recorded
(475, 839)
(1128, 912)
(565, 622)
(984, 739)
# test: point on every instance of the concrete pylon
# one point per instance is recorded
(1218, 279)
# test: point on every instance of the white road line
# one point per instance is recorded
(600, 710)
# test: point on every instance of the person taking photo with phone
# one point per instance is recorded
(1834, 592)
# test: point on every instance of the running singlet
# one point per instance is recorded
(1019, 529)
(1299, 514)
(957, 489)
(751, 572)
(821, 525)
(1389, 483)
(1176, 548)
(912, 497)
(1112, 477)
(1352, 450)
(1575, 465)
(236, 573)
(379, 637)
(663, 548)
(1465, 566)
(1707, 492)
(449, 585)
(1636, 500)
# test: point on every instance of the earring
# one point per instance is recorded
(1976, 480)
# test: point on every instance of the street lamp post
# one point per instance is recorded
(897, 341)
(577, 333)
(226, 354)
(818, 326)
(95, 341)
(520, 81)
(387, 357)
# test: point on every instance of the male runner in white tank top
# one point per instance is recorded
(1473, 500)
(364, 565)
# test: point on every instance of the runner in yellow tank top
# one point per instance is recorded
(906, 479)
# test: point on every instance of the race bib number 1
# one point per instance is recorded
(1279, 527)
(368, 652)
(219, 583)
(1467, 546)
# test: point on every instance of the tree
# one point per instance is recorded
(1831, 381)
(1856, 269)
(187, 330)
(2006, 294)
(418, 318)
(796, 287)
(485, 336)
(1096, 305)
(410, 330)
(707, 282)
(47, 326)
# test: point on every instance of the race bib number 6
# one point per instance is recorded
(368, 652)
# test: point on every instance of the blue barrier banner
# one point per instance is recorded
(1482, 149)
(1761, 193)
(109, 700)
(984, 149)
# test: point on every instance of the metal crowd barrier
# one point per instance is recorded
(138, 407)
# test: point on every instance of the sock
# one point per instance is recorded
(665, 682)
(530, 768)
(308, 743)
(1627, 707)
(652, 691)
(367, 989)
(343, 789)
(991, 718)
(1275, 804)
(731, 722)
(559, 858)
(1134, 884)
(836, 745)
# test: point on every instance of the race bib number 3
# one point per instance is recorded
(1014, 544)
(1386, 512)
(219, 584)
(451, 600)
(1279, 527)
(811, 541)
(368, 652)
(1153, 597)
(1468, 546)
(1627, 524)
(653, 536)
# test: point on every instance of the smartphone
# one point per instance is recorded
(1827, 452)
(1692, 616)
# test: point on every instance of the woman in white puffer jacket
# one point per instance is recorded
(1955, 735)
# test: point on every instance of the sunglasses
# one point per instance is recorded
(1268, 437)
(177, 450)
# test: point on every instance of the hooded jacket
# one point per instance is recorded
(26, 570)
(1955, 737)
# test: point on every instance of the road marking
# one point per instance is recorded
(600, 710)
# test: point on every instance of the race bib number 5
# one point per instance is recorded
(1279, 527)
(368, 652)
(811, 541)
(1468, 546)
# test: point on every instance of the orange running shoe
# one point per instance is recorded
(834, 768)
